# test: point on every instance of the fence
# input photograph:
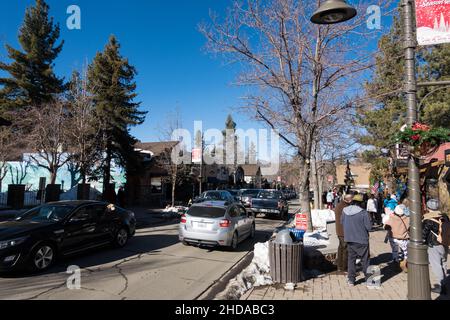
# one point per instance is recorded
(30, 199)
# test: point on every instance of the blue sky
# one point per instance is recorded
(161, 40)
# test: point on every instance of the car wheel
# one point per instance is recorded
(234, 241)
(121, 238)
(252, 233)
(42, 257)
(185, 243)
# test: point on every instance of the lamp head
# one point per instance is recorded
(333, 11)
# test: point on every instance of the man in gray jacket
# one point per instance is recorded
(357, 224)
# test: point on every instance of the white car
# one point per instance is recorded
(216, 223)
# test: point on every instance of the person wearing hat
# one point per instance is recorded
(437, 246)
(342, 257)
(399, 227)
(357, 225)
(391, 202)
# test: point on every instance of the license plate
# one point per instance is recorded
(202, 225)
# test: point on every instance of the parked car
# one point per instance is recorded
(215, 195)
(270, 202)
(35, 239)
(216, 223)
(236, 194)
(247, 195)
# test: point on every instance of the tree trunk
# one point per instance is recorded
(53, 175)
(320, 179)
(315, 180)
(106, 174)
(304, 186)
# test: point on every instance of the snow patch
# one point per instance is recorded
(255, 275)
(321, 217)
(316, 239)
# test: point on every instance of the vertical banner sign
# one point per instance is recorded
(301, 221)
(197, 156)
(433, 21)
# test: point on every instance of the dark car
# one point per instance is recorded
(247, 195)
(270, 203)
(236, 194)
(36, 238)
(215, 195)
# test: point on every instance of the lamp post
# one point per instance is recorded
(418, 272)
(336, 11)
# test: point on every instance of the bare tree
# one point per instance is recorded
(6, 145)
(48, 136)
(305, 73)
(83, 131)
(176, 173)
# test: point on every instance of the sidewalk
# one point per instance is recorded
(332, 286)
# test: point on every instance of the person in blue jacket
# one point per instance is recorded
(391, 202)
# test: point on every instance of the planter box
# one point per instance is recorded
(52, 193)
(83, 191)
(16, 196)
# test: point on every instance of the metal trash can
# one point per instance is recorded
(286, 262)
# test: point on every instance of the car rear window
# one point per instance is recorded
(250, 192)
(269, 195)
(206, 212)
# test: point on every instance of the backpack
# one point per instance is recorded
(444, 232)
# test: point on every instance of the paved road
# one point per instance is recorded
(154, 265)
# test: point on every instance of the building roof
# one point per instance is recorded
(250, 169)
(156, 148)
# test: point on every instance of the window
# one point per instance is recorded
(243, 212)
(156, 185)
(234, 212)
(82, 214)
(206, 212)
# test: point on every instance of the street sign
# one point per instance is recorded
(433, 22)
(301, 221)
(447, 158)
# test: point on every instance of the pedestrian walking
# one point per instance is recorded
(357, 225)
(436, 235)
(342, 256)
(391, 202)
(372, 208)
(389, 236)
(330, 199)
(399, 224)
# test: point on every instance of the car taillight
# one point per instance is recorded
(225, 223)
(183, 219)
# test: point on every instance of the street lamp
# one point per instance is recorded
(333, 11)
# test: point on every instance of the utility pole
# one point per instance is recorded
(418, 272)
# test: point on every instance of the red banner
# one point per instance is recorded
(433, 21)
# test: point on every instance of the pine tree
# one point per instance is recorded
(434, 102)
(386, 112)
(32, 80)
(111, 80)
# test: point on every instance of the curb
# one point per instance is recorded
(220, 285)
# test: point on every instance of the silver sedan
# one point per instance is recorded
(216, 223)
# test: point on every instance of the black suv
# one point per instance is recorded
(37, 237)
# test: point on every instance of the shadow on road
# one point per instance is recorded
(140, 244)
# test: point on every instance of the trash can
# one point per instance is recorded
(286, 262)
